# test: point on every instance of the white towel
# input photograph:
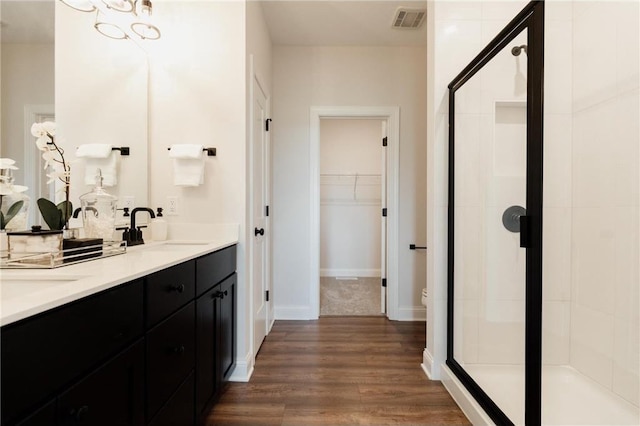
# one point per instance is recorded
(188, 164)
(99, 156)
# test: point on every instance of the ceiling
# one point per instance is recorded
(27, 21)
(340, 23)
(290, 22)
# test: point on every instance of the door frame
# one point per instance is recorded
(255, 77)
(392, 116)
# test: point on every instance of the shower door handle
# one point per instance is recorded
(524, 231)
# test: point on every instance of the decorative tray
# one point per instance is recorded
(57, 259)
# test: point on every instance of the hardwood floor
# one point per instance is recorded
(339, 371)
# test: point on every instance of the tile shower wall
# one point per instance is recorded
(491, 328)
(605, 192)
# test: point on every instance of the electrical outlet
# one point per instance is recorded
(128, 201)
(172, 206)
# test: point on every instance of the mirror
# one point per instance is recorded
(27, 88)
(100, 88)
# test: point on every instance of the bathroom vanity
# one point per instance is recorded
(143, 338)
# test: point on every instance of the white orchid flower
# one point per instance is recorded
(58, 174)
(49, 127)
(49, 158)
(7, 163)
(5, 188)
(37, 130)
(42, 142)
(42, 129)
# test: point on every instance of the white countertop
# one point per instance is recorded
(28, 292)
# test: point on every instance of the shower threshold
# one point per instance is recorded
(569, 397)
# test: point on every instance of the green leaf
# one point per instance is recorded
(13, 210)
(51, 214)
(2, 224)
(66, 215)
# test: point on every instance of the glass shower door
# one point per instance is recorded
(494, 180)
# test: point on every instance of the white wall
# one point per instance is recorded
(350, 220)
(344, 76)
(605, 318)
(27, 79)
(101, 97)
(197, 94)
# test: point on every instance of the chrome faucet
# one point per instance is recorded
(133, 235)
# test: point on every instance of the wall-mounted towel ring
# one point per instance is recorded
(211, 152)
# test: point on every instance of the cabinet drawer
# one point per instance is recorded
(168, 290)
(170, 356)
(214, 267)
(43, 353)
(179, 410)
(113, 395)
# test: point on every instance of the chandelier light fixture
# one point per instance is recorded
(120, 19)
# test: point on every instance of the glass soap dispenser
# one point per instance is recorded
(98, 212)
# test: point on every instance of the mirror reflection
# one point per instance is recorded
(100, 88)
(27, 88)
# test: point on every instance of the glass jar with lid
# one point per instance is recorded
(98, 212)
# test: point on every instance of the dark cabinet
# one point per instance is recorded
(169, 289)
(148, 352)
(179, 410)
(215, 357)
(170, 357)
(42, 354)
(113, 395)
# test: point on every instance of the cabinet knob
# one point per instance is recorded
(178, 288)
(226, 293)
(179, 350)
(218, 295)
(79, 414)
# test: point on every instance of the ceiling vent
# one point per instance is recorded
(409, 18)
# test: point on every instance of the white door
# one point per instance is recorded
(259, 281)
(383, 233)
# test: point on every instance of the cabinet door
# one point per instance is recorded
(226, 327)
(207, 308)
(44, 416)
(113, 395)
(42, 354)
(179, 410)
(170, 357)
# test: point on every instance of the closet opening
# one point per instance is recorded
(353, 182)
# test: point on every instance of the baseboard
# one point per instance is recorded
(365, 273)
(416, 313)
(463, 398)
(427, 364)
(293, 313)
(243, 369)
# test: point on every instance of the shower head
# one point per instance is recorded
(516, 50)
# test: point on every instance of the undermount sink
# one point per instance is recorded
(175, 245)
(12, 285)
(186, 243)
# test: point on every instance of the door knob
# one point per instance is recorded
(258, 231)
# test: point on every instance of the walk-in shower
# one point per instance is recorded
(543, 277)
